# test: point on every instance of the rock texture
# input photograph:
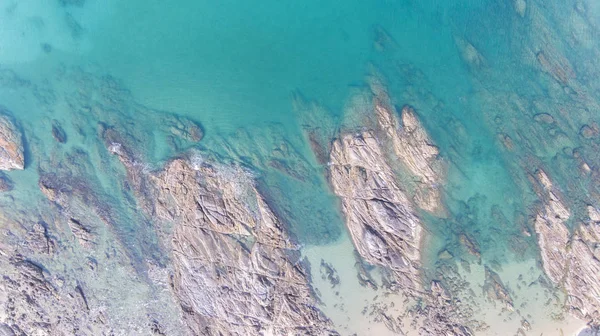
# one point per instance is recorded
(11, 145)
(570, 261)
(553, 235)
(413, 147)
(379, 216)
(235, 270)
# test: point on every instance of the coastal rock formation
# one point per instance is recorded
(11, 145)
(235, 270)
(379, 216)
(553, 235)
(569, 261)
(415, 149)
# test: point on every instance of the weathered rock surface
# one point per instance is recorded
(569, 261)
(34, 300)
(379, 215)
(11, 145)
(442, 314)
(553, 235)
(58, 133)
(234, 267)
(414, 148)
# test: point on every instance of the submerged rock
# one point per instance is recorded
(11, 146)
(58, 133)
(6, 184)
(496, 290)
(82, 233)
(553, 235)
(556, 65)
(469, 53)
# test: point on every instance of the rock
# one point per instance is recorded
(469, 53)
(379, 215)
(184, 128)
(557, 66)
(569, 260)
(83, 234)
(59, 133)
(365, 278)
(496, 290)
(506, 140)
(415, 149)
(593, 213)
(6, 330)
(39, 239)
(589, 132)
(11, 145)
(232, 273)
(329, 273)
(525, 325)
(438, 290)
(544, 118)
(31, 305)
(470, 244)
(552, 233)
(382, 39)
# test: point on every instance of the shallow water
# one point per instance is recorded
(239, 69)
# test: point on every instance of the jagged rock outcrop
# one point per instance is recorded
(235, 273)
(11, 145)
(569, 260)
(415, 149)
(379, 215)
(553, 234)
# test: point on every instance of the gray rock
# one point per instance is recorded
(230, 256)
(568, 260)
(379, 215)
(6, 184)
(496, 290)
(413, 147)
(11, 145)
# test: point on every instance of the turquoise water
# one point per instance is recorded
(235, 66)
(238, 68)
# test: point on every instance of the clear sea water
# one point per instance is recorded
(236, 66)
